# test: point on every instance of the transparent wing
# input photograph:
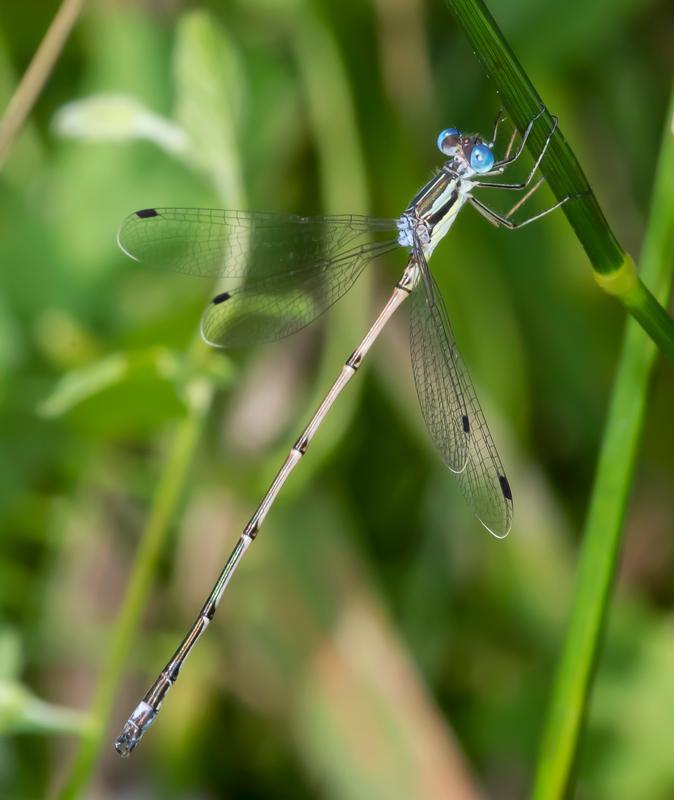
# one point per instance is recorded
(272, 307)
(452, 412)
(236, 244)
(438, 383)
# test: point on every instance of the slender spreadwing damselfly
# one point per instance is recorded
(289, 270)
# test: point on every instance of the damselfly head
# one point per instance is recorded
(472, 150)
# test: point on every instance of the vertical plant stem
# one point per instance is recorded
(164, 504)
(206, 73)
(522, 102)
(604, 525)
(613, 268)
(37, 74)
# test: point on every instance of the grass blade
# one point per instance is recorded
(604, 525)
(201, 45)
(166, 498)
(614, 269)
(37, 74)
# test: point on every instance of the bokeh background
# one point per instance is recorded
(376, 642)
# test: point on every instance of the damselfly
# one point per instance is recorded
(289, 271)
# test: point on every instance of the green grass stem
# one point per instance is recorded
(206, 71)
(319, 67)
(610, 494)
(613, 268)
(167, 496)
(37, 74)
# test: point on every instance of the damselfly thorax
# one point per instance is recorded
(433, 210)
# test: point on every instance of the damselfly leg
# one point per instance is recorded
(500, 117)
(524, 199)
(500, 220)
(500, 166)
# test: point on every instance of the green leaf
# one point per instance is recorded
(118, 117)
(11, 656)
(613, 268)
(209, 88)
(206, 72)
(23, 712)
(631, 713)
(20, 710)
(120, 393)
(610, 494)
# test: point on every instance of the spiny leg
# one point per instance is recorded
(498, 219)
(534, 169)
(509, 148)
(524, 199)
(500, 166)
(146, 711)
(500, 117)
(493, 215)
(507, 159)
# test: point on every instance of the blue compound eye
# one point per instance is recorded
(481, 158)
(448, 139)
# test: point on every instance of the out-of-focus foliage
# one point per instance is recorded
(376, 642)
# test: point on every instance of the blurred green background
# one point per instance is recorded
(376, 642)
